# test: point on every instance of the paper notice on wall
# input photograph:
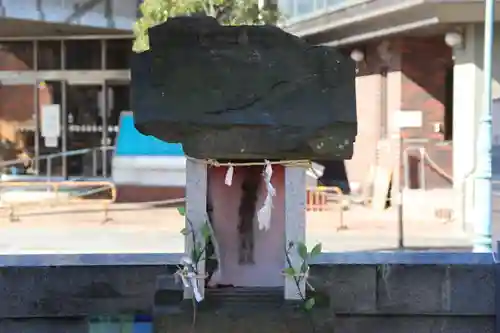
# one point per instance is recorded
(50, 121)
(51, 142)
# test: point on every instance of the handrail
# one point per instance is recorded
(55, 187)
(436, 167)
(49, 158)
(424, 157)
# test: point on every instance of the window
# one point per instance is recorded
(16, 56)
(83, 54)
(49, 55)
(118, 53)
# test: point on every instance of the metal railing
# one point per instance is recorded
(77, 190)
(49, 158)
(327, 198)
(55, 188)
(423, 160)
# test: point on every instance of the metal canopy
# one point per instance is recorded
(70, 76)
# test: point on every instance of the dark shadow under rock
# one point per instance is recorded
(249, 319)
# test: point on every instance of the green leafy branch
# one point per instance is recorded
(199, 247)
(198, 253)
(302, 274)
(226, 12)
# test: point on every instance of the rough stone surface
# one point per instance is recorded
(38, 325)
(244, 92)
(351, 298)
(407, 290)
(414, 324)
(351, 288)
(77, 291)
(471, 283)
(401, 289)
(374, 298)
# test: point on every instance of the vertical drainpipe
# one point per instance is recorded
(36, 111)
(483, 212)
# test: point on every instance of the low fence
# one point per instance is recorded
(355, 292)
(56, 194)
(327, 199)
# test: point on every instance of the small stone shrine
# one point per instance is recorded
(252, 106)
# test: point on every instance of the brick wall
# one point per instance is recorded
(16, 56)
(415, 82)
(17, 101)
(424, 63)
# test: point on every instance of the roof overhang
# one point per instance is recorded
(366, 20)
(27, 29)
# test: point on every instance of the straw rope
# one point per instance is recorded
(215, 163)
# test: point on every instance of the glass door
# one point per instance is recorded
(93, 112)
(86, 130)
(118, 101)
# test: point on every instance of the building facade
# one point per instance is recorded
(420, 61)
(63, 55)
(68, 52)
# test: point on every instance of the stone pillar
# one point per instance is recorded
(467, 90)
(196, 207)
(295, 223)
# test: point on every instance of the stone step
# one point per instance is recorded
(429, 204)
(235, 296)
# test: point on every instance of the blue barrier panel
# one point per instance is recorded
(131, 142)
(121, 324)
(142, 160)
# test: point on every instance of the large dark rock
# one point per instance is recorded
(244, 92)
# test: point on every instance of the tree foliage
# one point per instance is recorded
(227, 12)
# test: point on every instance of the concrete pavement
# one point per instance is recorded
(143, 228)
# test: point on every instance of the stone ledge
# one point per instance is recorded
(78, 291)
(407, 289)
(414, 324)
(410, 257)
(357, 290)
(326, 258)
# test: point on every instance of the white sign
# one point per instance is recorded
(51, 121)
(408, 119)
(51, 142)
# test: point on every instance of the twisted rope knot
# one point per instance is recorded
(290, 163)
